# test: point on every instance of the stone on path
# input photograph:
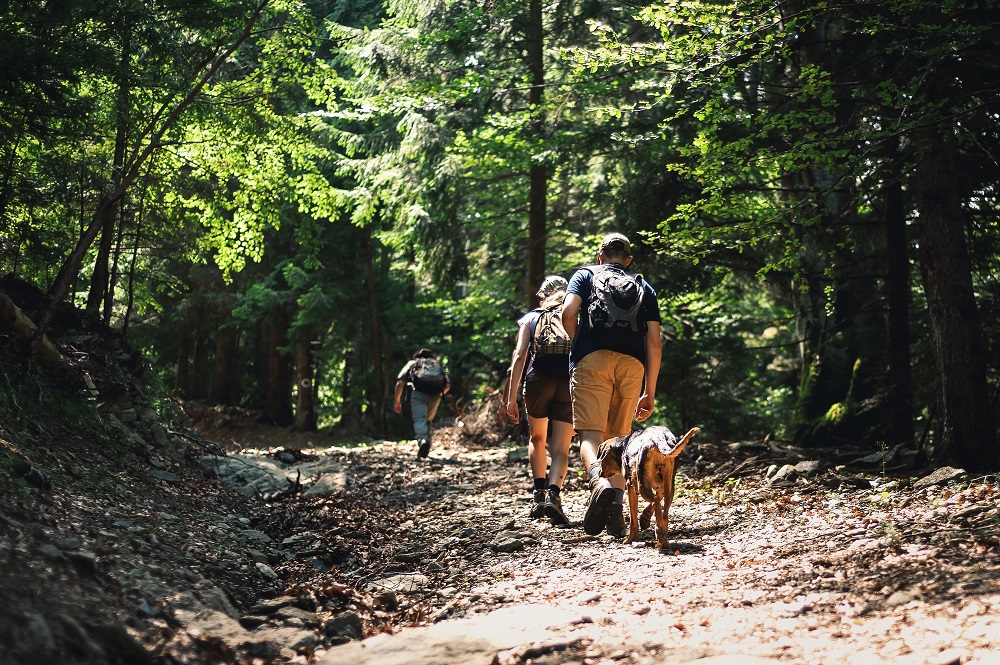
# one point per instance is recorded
(939, 477)
(473, 640)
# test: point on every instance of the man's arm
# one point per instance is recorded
(571, 310)
(654, 353)
(398, 406)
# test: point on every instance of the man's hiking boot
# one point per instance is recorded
(537, 505)
(616, 521)
(425, 447)
(596, 517)
(553, 509)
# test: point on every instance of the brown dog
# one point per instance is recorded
(648, 460)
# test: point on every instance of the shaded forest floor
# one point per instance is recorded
(775, 555)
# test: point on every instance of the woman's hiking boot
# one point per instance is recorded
(537, 504)
(553, 508)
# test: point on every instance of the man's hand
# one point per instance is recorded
(644, 409)
(397, 407)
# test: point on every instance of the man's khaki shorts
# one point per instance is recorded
(606, 387)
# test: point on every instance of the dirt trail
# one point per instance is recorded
(775, 555)
(818, 567)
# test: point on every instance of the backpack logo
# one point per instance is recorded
(551, 338)
(427, 375)
(615, 300)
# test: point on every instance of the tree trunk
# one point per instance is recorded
(897, 288)
(538, 188)
(966, 434)
(278, 403)
(380, 389)
(305, 404)
(127, 316)
(200, 366)
(223, 370)
(100, 283)
(182, 382)
(221, 390)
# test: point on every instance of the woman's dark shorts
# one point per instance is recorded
(545, 397)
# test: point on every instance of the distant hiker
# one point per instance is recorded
(543, 347)
(428, 380)
(614, 364)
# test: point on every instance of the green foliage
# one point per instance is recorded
(360, 173)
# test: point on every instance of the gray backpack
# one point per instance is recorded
(615, 299)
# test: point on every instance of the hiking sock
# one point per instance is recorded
(539, 484)
(554, 491)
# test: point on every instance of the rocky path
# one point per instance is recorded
(291, 552)
(808, 566)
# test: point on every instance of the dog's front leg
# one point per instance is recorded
(633, 508)
(661, 523)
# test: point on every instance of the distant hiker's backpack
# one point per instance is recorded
(428, 376)
(615, 300)
(551, 343)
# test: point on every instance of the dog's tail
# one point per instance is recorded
(683, 442)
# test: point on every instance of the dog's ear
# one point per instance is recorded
(684, 441)
(610, 455)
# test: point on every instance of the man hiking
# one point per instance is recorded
(428, 381)
(614, 320)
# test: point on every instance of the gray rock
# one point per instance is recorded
(215, 598)
(38, 632)
(85, 560)
(290, 612)
(343, 627)
(75, 634)
(328, 483)
(902, 597)
(272, 605)
(783, 476)
(257, 537)
(402, 583)
(519, 454)
(470, 641)
(257, 556)
(508, 541)
(67, 543)
(264, 476)
(211, 623)
(266, 571)
(939, 477)
(120, 644)
(807, 467)
(165, 476)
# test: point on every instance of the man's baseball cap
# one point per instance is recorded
(616, 242)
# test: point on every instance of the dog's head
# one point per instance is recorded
(610, 455)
